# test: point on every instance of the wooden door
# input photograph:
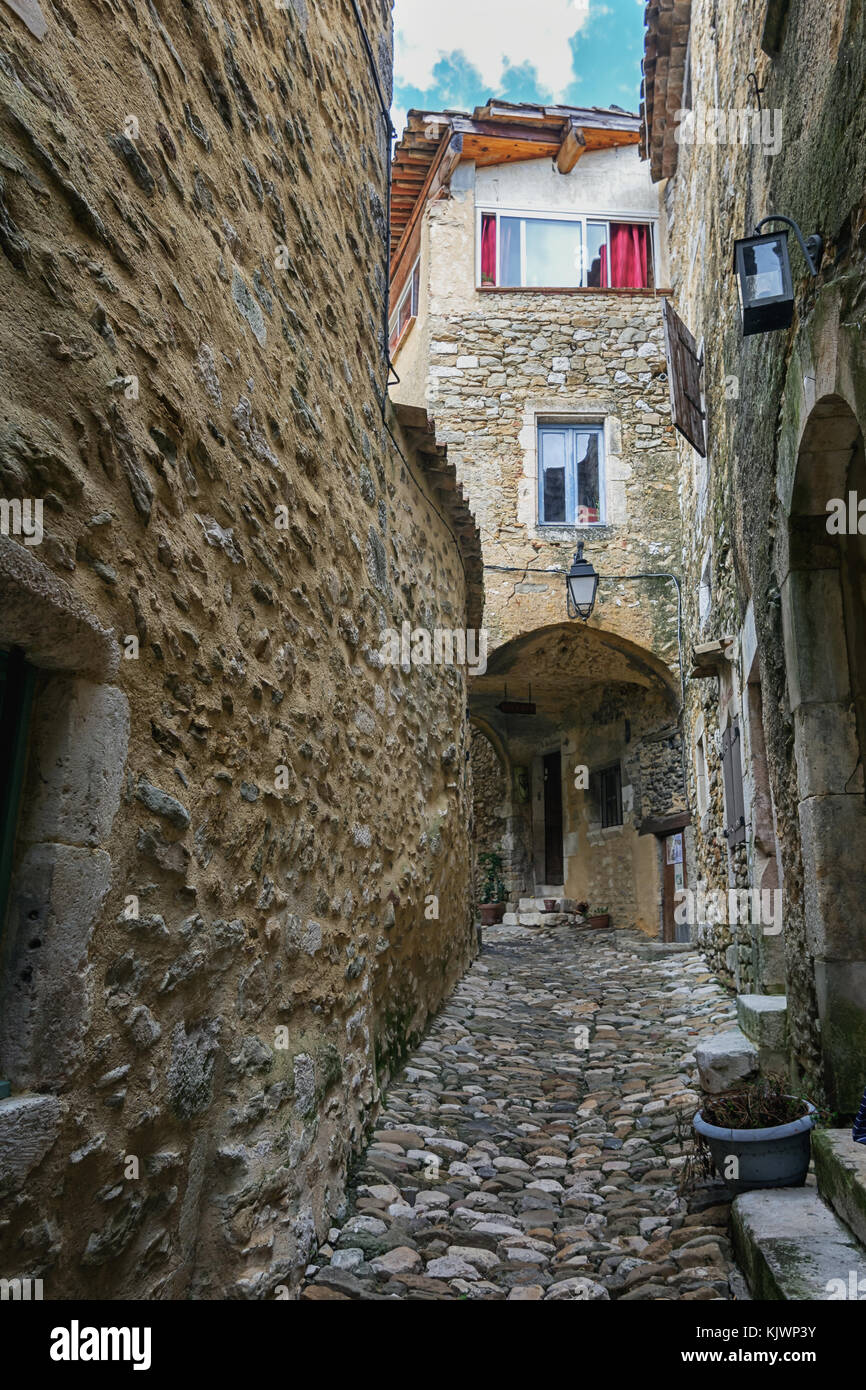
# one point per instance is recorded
(553, 862)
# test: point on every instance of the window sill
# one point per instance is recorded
(403, 336)
(574, 289)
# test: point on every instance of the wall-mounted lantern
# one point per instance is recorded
(763, 267)
(581, 583)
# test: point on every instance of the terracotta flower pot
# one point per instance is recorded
(550, 904)
(602, 920)
(491, 913)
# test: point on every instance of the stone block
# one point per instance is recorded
(764, 1019)
(840, 986)
(56, 898)
(29, 1126)
(832, 836)
(827, 750)
(817, 669)
(792, 1247)
(79, 741)
(840, 1167)
(725, 1060)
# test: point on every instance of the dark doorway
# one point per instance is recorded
(673, 883)
(553, 864)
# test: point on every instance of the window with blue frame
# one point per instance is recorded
(570, 475)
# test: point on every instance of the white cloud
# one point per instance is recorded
(490, 34)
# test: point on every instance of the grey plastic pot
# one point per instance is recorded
(773, 1157)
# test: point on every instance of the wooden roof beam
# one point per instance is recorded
(572, 147)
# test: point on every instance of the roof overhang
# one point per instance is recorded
(435, 142)
(664, 74)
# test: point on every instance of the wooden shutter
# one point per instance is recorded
(684, 379)
(732, 772)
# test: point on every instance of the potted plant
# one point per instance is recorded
(493, 889)
(582, 908)
(598, 917)
(757, 1135)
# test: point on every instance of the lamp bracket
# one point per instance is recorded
(812, 247)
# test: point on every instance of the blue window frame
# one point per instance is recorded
(570, 475)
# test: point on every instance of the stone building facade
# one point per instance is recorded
(499, 356)
(752, 112)
(240, 881)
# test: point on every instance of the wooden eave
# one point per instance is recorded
(498, 133)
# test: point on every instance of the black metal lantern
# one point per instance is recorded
(581, 583)
(764, 280)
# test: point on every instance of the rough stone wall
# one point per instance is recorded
(247, 818)
(490, 807)
(814, 86)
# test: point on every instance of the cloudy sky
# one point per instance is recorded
(457, 53)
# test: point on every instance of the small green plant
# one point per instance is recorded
(493, 889)
(598, 912)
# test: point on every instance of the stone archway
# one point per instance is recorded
(824, 626)
(585, 721)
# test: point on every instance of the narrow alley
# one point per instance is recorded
(530, 1149)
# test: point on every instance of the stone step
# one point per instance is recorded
(764, 1020)
(840, 1167)
(791, 1246)
(726, 1059)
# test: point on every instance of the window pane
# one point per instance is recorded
(764, 275)
(553, 464)
(416, 286)
(588, 477)
(509, 250)
(629, 255)
(554, 253)
(597, 255)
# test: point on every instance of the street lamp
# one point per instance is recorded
(763, 267)
(581, 583)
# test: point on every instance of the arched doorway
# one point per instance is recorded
(586, 721)
(824, 624)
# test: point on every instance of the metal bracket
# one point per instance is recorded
(812, 247)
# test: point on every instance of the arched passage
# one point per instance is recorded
(824, 624)
(593, 763)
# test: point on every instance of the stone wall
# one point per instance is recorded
(809, 162)
(243, 873)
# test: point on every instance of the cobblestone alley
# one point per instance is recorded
(530, 1148)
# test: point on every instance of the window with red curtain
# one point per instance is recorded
(488, 250)
(629, 255)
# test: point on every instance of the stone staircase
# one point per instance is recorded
(807, 1243)
(792, 1243)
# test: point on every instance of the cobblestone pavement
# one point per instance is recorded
(530, 1147)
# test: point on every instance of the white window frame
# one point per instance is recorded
(597, 427)
(407, 291)
(534, 214)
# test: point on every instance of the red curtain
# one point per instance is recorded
(602, 276)
(629, 244)
(488, 250)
